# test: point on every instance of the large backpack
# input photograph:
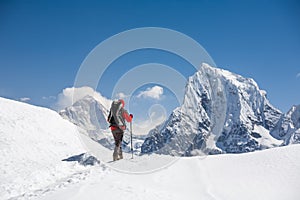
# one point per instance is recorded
(115, 117)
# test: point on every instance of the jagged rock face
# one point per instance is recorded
(87, 113)
(288, 127)
(222, 113)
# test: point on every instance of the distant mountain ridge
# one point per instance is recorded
(87, 113)
(222, 112)
(288, 127)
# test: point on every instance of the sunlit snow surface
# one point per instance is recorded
(270, 174)
(34, 141)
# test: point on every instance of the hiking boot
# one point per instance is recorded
(115, 154)
(120, 153)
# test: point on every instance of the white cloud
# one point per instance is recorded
(157, 115)
(155, 93)
(298, 75)
(25, 99)
(70, 95)
(143, 127)
(121, 95)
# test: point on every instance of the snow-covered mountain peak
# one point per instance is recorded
(88, 113)
(234, 79)
(221, 112)
(224, 93)
(88, 100)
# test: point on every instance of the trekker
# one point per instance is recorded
(116, 118)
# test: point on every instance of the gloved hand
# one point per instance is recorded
(131, 116)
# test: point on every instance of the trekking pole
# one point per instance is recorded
(131, 140)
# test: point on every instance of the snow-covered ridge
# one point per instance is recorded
(221, 113)
(288, 127)
(33, 143)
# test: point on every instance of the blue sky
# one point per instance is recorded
(43, 43)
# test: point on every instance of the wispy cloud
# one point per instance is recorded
(155, 92)
(143, 127)
(298, 75)
(49, 98)
(25, 99)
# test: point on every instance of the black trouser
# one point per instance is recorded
(118, 136)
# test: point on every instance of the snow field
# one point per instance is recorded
(33, 141)
(269, 174)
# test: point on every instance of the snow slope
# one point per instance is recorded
(33, 143)
(263, 175)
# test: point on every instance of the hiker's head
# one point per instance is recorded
(122, 101)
